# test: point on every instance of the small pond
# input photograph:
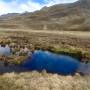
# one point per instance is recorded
(44, 60)
(52, 63)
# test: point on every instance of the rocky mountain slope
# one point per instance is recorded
(72, 16)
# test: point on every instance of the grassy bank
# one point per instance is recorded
(74, 52)
(77, 53)
(43, 81)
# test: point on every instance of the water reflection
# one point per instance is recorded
(84, 68)
(5, 50)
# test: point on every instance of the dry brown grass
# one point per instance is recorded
(43, 81)
(69, 40)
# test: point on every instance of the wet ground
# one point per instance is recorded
(18, 40)
(44, 60)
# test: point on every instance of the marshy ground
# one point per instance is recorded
(74, 43)
(63, 42)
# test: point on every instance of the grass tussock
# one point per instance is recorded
(43, 81)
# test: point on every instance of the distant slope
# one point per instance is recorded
(5, 20)
(73, 16)
(8, 16)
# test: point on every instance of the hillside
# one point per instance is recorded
(72, 16)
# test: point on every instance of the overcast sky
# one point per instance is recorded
(19, 6)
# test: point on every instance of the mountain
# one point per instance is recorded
(72, 16)
(8, 16)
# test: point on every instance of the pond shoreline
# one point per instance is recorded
(80, 55)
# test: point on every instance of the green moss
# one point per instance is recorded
(86, 54)
(74, 52)
(17, 62)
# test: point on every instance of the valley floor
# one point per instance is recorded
(61, 40)
(74, 33)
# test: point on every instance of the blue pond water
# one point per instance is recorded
(44, 60)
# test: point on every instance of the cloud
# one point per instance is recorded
(30, 6)
(15, 6)
(52, 2)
